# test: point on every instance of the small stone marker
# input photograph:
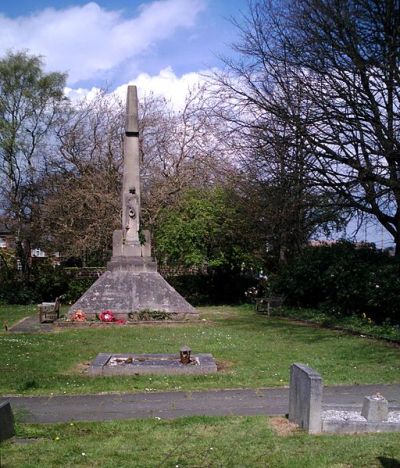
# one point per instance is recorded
(305, 398)
(184, 354)
(375, 408)
(6, 421)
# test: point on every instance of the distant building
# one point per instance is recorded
(328, 243)
(7, 238)
(7, 242)
(320, 243)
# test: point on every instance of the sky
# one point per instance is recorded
(160, 45)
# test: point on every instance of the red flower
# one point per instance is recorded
(107, 316)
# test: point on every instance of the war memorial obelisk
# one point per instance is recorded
(131, 286)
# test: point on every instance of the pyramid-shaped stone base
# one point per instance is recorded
(134, 295)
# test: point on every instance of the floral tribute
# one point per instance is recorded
(79, 316)
(108, 316)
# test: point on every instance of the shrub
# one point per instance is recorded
(343, 280)
(45, 283)
(76, 287)
(216, 287)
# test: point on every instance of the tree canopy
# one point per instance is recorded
(330, 71)
(30, 100)
(207, 228)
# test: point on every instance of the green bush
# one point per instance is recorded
(343, 280)
(76, 287)
(217, 287)
(45, 283)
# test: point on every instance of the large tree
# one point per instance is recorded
(29, 104)
(208, 228)
(179, 150)
(343, 57)
(82, 204)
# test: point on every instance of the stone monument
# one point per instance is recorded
(131, 287)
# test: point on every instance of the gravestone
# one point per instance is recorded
(6, 421)
(131, 283)
(305, 398)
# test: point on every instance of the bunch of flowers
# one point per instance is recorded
(78, 316)
(108, 316)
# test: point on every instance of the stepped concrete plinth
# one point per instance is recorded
(128, 293)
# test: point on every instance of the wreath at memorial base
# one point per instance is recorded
(79, 316)
(109, 317)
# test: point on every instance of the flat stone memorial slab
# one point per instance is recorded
(144, 364)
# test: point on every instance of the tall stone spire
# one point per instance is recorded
(131, 177)
(126, 242)
(131, 286)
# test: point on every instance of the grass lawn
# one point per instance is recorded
(252, 351)
(10, 314)
(195, 442)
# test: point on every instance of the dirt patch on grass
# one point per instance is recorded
(224, 366)
(283, 427)
(80, 368)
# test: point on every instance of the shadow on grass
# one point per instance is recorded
(304, 332)
(389, 462)
(290, 327)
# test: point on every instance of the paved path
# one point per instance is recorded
(169, 405)
(31, 325)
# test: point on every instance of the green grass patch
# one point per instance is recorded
(11, 314)
(352, 323)
(252, 351)
(193, 442)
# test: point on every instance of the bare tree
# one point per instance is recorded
(276, 161)
(343, 56)
(180, 150)
(83, 184)
(82, 207)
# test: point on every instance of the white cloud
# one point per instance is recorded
(86, 39)
(166, 84)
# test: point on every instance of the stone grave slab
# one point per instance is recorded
(144, 364)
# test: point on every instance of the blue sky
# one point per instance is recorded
(111, 42)
(160, 45)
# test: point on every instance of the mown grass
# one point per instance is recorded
(10, 314)
(252, 351)
(352, 323)
(194, 442)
